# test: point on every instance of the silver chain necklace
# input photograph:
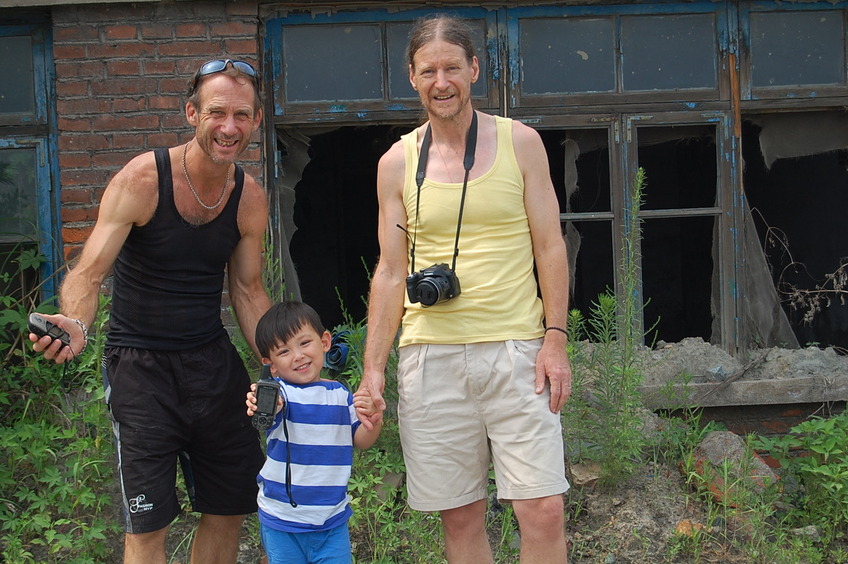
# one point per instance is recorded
(193, 191)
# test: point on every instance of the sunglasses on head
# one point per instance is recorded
(218, 65)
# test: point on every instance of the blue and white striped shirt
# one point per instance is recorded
(321, 421)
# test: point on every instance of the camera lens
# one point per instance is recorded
(431, 290)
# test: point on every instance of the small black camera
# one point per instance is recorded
(267, 392)
(431, 285)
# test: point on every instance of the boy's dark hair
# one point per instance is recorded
(282, 321)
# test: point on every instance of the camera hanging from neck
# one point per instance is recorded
(467, 164)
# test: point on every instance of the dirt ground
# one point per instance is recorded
(640, 521)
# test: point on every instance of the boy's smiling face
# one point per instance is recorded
(300, 359)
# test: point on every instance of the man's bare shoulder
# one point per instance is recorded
(134, 191)
(523, 133)
(254, 202)
(394, 157)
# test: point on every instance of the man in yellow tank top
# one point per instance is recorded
(467, 211)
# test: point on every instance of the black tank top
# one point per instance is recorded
(169, 275)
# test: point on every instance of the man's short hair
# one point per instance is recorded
(196, 81)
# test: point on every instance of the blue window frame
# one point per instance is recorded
(567, 55)
(28, 168)
(351, 66)
(793, 51)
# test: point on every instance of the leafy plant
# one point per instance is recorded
(816, 452)
(55, 504)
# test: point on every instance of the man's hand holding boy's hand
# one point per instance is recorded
(366, 407)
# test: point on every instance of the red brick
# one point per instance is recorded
(191, 30)
(121, 32)
(128, 141)
(75, 234)
(77, 69)
(94, 142)
(176, 85)
(198, 49)
(74, 160)
(159, 67)
(165, 102)
(62, 52)
(72, 196)
(127, 50)
(157, 31)
(81, 107)
(113, 158)
(74, 33)
(234, 29)
(129, 123)
(74, 124)
(129, 104)
(123, 68)
(241, 46)
(71, 89)
(162, 140)
(79, 215)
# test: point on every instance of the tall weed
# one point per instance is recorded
(602, 421)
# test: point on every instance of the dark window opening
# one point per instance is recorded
(799, 208)
(677, 252)
(335, 246)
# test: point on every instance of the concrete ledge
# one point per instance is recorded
(812, 389)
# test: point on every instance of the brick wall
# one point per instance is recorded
(121, 72)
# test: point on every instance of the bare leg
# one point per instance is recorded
(466, 541)
(216, 540)
(145, 548)
(542, 525)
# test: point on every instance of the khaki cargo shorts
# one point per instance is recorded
(462, 406)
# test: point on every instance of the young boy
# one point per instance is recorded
(303, 500)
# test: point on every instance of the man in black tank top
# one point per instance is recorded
(170, 223)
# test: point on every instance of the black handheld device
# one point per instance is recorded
(267, 392)
(40, 326)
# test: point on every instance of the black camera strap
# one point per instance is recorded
(467, 164)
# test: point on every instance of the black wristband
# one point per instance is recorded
(560, 329)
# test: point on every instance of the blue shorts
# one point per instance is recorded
(316, 547)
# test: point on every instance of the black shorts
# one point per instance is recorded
(187, 405)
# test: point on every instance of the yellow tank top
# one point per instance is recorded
(499, 294)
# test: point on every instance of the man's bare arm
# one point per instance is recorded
(129, 199)
(244, 272)
(385, 304)
(551, 260)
